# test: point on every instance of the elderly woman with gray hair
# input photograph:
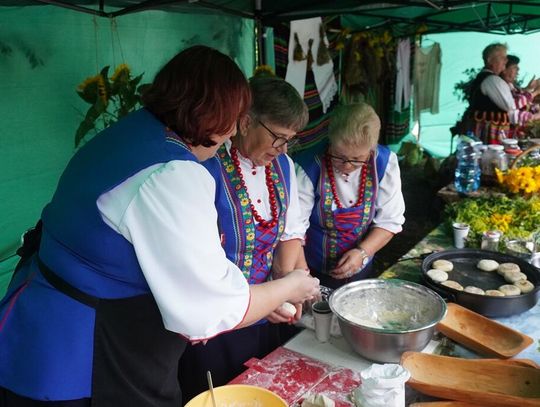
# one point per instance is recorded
(258, 218)
(350, 197)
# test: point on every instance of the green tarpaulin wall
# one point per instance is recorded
(45, 52)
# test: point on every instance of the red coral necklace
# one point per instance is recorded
(332, 179)
(271, 191)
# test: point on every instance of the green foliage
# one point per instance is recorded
(462, 88)
(110, 99)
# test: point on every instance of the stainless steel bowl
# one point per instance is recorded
(381, 319)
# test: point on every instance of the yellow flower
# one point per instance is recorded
(121, 71)
(244, 202)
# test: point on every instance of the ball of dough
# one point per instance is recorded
(524, 286)
(506, 267)
(289, 308)
(487, 265)
(443, 265)
(495, 293)
(437, 275)
(474, 290)
(452, 284)
(514, 276)
(318, 400)
(509, 289)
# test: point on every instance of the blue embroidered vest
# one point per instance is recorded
(247, 245)
(333, 232)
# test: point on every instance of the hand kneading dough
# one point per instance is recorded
(474, 290)
(509, 289)
(495, 293)
(452, 284)
(443, 265)
(437, 275)
(513, 276)
(318, 400)
(524, 286)
(288, 307)
(506, 267)
(487, 265)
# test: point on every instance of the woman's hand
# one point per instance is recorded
(349, 264)
(282, 315)
(301, 285)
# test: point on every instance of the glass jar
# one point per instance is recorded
(490, 240)
(511, 149)
(494, 157)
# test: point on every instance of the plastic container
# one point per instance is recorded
(467, 175)
(490, 240)
(494, 157)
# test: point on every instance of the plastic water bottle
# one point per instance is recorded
(467, 175)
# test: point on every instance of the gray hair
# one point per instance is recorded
(491, 49)
(277, 101)
(355, 124)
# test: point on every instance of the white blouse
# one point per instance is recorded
(497, 89)
(389, 203)
(255, 180)
(167, 212)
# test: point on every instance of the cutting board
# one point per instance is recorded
(293, 376)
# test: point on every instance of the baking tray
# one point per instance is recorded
(466, 273)
(478, 381)
(482, 334)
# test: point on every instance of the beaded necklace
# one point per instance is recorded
(271, 192)
(332, 179)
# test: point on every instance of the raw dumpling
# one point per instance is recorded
(524, 286)
(443, 265)
(495, 293)
(474, 290)
(513, 276)
(437, 275)
(289, 308)
(318, 400)
(509, 289)
(506, 267)
(452, 284)
(487, 265)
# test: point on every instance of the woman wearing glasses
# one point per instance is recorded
(350, 197)
(258, 218)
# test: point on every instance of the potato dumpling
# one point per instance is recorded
(437, 275)
(474, 290)
(524, 286)
(509, 289)
(452, 284)
(487, 265)
(514, 276)
(495, 293)
(506, 267)
(443, 265)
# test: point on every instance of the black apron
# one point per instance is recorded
(135, 358)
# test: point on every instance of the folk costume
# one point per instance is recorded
(99, 311)
(257, 208)
(338, 211)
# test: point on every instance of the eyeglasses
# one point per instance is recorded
(341, 160)
(278, 140)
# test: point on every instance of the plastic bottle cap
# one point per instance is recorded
(510, 142)
(495, 147)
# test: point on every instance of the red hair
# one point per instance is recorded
(198, 93)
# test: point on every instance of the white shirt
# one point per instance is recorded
(389, 203)
(167, 212)
(497, 89)
(255, 180)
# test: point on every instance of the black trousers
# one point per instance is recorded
(10, 399)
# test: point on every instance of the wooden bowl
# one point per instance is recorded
(238, 395)
(476, 381)
(482, 334)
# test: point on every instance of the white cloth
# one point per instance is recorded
(427, 74)
(389, 204)
(497, 89)
(296, 70)
(167, 212)
(403, 72)
(258, 193)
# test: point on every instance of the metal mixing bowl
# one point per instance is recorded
(381, 319)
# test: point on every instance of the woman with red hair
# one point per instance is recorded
(130, 265)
